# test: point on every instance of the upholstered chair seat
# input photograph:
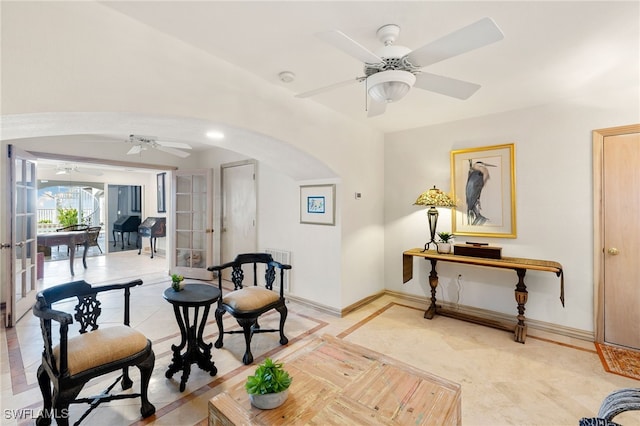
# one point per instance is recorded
(250, 298)
(100, 347)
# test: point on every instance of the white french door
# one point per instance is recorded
(21, 273)
(192, 242)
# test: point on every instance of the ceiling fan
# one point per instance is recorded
(67, 169)
(392, 70)
(142, 143)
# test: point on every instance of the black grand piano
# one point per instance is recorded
(125, 224)
(152, 227)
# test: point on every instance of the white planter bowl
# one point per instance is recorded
(269, 400)
(443, 248)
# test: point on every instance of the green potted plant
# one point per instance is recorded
(67, 217)
(269, 386)
(444, 245)
(176, 282)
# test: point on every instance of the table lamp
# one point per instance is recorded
(433, 198)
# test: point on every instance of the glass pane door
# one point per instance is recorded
(193, 238)
(22, 228)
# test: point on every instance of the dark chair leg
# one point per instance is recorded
(61, 401)
(283, 316)
(146, 369)
(126, 380)
(45, 388)
(219, 313)
(247, 325)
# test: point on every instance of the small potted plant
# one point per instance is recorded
(444, 246)
(269, 386)
(176, 282)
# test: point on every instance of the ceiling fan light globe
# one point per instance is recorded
(390, 86)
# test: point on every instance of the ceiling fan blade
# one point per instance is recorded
(445, 85)
(341, 41)
(135, 150)
(180, 145)
(478, 34)
(330, 87)
(173, 151)
(376, 108)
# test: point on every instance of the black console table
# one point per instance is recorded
(195, 296)
(519, 265)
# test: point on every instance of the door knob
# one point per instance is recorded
(613, 251)
(20, 244)
(5, 245)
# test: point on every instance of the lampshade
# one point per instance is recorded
(390, 86)
(435, 198)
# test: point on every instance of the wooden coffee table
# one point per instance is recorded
(336, 382)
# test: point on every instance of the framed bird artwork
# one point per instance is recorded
(483, 187)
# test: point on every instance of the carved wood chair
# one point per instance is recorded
(247, 302)
(618, 401)
(73, 361)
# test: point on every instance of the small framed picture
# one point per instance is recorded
(483, 182)
(317, 204)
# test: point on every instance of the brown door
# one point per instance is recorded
(621, 238)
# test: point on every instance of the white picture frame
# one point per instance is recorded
(317, 204)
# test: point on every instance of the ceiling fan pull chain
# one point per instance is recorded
(366, 90)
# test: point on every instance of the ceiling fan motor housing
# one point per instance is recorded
(393, 58)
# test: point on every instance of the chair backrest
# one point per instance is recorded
(93, 235)
(255, 259)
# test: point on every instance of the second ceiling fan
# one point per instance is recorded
(142, 143)
(392, 70)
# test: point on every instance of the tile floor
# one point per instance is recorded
(550, 380)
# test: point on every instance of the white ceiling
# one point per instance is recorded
(551, 50)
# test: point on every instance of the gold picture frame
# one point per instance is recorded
(483, 182)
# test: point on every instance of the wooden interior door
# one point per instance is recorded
(618, 299)
(239, 210)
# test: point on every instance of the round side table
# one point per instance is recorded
(193, 296)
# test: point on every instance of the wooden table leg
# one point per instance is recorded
(521, 299)
(71, 248)
(84, 254)
(433, 282)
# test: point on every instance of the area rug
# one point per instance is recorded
(621, 361)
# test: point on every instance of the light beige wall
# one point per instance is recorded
(553, 203)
